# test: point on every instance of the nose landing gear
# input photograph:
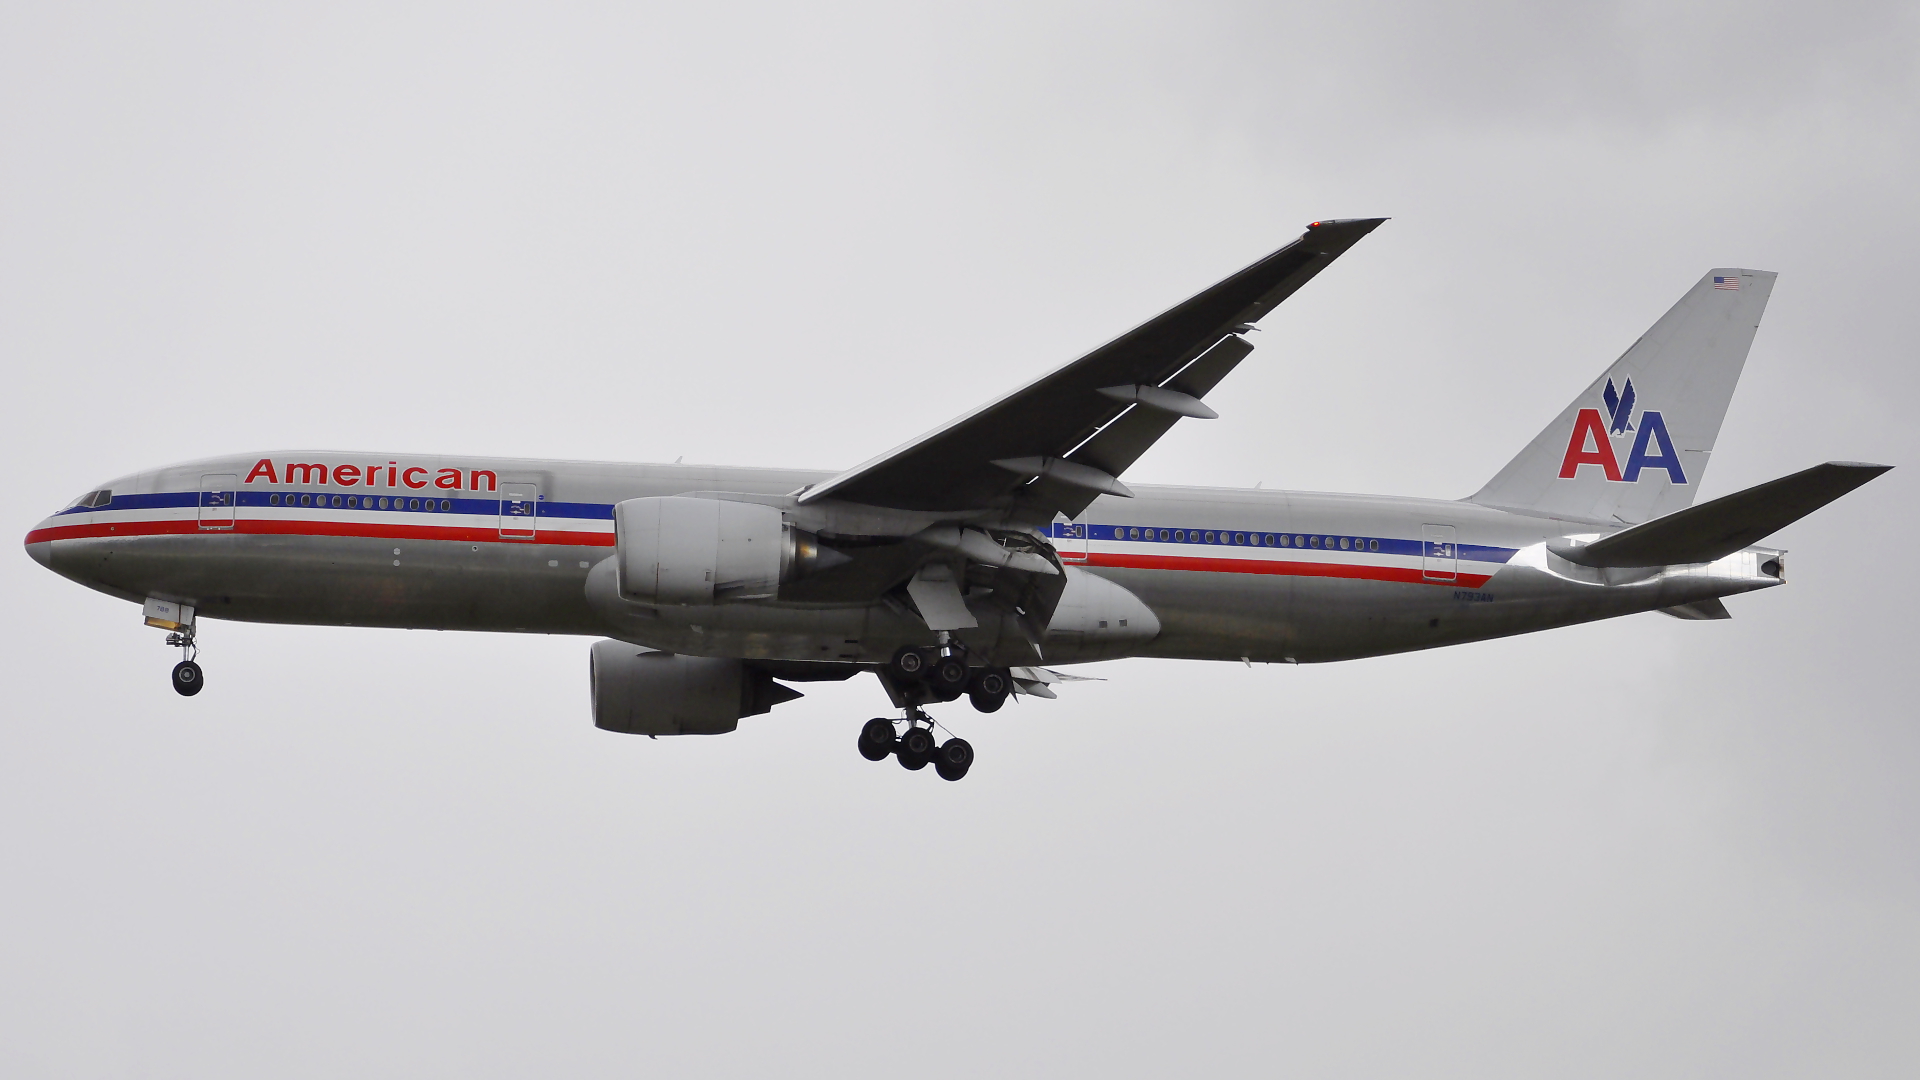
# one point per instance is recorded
(916, 747)
(187, 676)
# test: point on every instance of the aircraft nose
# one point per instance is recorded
(42, 552)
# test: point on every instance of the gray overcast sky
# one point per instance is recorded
(799, 235)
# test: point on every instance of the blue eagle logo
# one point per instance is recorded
(1619, 408)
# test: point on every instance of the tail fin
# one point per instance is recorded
(1635, 444)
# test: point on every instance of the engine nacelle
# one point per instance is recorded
(638, 691)
(680, 550)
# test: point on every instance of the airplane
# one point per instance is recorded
(979, 558)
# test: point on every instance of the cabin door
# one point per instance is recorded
(1070, 540)
(1442, 558)
(519, 511)
(219, 492)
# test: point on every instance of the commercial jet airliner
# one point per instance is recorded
(978, 558)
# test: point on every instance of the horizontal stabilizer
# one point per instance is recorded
(1719, 528)
(1699, 611)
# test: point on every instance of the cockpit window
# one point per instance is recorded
(93, 498)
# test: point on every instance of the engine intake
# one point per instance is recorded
(638, 691)
(680, 550)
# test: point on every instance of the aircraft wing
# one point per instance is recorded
(1054, 445)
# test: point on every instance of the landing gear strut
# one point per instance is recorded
(187, 676)
(916, 747)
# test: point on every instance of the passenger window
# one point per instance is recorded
(273, 500)
(1373, 545)
(1180, 535)
(1239, 538)
(1283, 539)
(1209, 538)
(446, 504)
(1316, 541)
(306, 500)
(413, 504)
(353, 502)
(1269, 539)
(1343, 543)
(336, 502)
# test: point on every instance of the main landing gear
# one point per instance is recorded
(915, 747)
(917, 676)
(944, 675)
(187, 676)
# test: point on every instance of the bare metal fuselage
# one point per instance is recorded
(524, 546)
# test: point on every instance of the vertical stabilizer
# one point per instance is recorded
(1635, 444)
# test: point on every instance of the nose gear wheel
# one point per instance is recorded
(188, 679)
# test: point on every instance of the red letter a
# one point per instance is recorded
(263, 467)
(1588, 427)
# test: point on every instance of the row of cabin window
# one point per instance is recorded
(1180, 536)
(354, 502)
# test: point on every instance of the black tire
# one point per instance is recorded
(909, 663)
(949, 675)
(916, 748)
(188, 678)
(986, 703)
(990, 689)
(992, 682)
(953, 759)
(876, 739)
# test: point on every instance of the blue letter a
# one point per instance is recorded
(1653, 427)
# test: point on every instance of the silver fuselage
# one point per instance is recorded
(515, 545)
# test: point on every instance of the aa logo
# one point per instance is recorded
(1592, 441)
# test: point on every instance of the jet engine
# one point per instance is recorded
(680, 550)
(639, 691)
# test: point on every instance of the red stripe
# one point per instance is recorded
(320, 528)
(1406, 574)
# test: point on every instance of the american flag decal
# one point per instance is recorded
(1729, 282)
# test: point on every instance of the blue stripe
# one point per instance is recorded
(170, 500)
(1387, 545)
(1372, 545)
